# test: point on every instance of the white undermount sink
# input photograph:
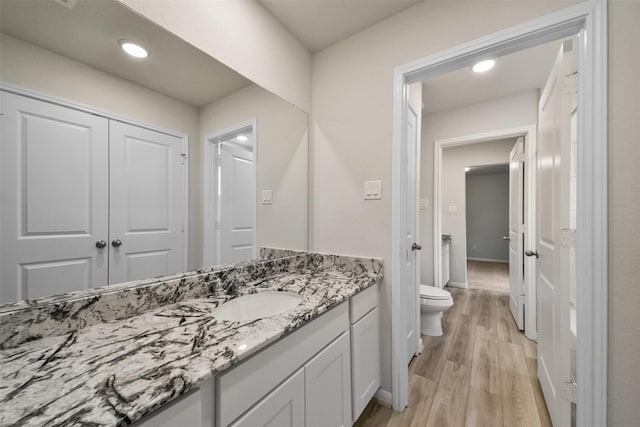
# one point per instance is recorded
(256, 306)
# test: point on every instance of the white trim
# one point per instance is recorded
(383, 397)
(460, 285)
(210, 184)
(530, 134)
(66, 103)
(501, 261)
(588, 18)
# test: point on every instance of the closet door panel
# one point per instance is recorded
(146, 206)
(54, 206)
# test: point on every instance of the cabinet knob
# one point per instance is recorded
(115, 243)
(101, 244)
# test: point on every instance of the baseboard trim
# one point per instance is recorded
(457, 284)
(383, 397)
(488, 260)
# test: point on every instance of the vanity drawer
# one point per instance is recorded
(243, 386)
(363, 302)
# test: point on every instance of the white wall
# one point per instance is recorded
(282, 151)
(487, 210)
(454, 160)
(503, 113)
(624, 203)
(23, 64)
(352, 92)
(242, 35)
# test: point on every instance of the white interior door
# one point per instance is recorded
(409, 159)
(146, 206)
(516, 232)
(237, 201)
(54, 205)
(553, 216)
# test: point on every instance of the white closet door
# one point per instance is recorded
(146, 206)
(54, 206)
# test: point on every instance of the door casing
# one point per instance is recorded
(530, 134)
(589, 20)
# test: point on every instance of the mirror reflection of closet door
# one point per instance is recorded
(54, 206)
(146, 203)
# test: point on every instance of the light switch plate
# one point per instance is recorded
(372, 190)
(424, 204)
(267, 197)
(453, 209)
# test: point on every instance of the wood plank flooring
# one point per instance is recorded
(490, 276)
(481, 372)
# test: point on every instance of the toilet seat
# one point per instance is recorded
(433, 293)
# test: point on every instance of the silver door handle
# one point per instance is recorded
(416, 247)
(507, 238)
(532, 253)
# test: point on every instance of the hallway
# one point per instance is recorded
(481, 372)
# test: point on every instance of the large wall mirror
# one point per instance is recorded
(116, 168)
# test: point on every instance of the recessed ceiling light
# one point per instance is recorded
(483, 66)
(242, 138)
(134, 49)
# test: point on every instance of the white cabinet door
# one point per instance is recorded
(445, 265)
(146, 215)
(283, 407)
(327, 384)
(365, 360)
(54, 207)
(186, 412)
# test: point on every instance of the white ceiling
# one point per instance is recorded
(321, 23)
(489, 169)
(90, 31)
(515, 73)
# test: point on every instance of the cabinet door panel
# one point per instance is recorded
(54, 169)
(328, 386)
(365, 360)
(283, 407)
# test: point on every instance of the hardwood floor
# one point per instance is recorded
(481, 372)
(490, 276)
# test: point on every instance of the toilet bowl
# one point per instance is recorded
(433, 302)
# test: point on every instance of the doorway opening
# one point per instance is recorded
(588, 21)
(487, 226)
(230, 195)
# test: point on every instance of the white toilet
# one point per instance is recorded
(433, 302)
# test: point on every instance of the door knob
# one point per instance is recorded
(507, 238)
(116, 243)
(416, 247)
(532, 253)
(101, 244)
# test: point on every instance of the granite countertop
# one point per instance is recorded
(114, 373)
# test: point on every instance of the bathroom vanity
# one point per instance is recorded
(446, 262)
(153, 352)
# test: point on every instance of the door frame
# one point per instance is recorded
(63, 102)
(589, 19)
(210, 141)
(530, 134)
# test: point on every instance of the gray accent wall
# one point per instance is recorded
(487, 216)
